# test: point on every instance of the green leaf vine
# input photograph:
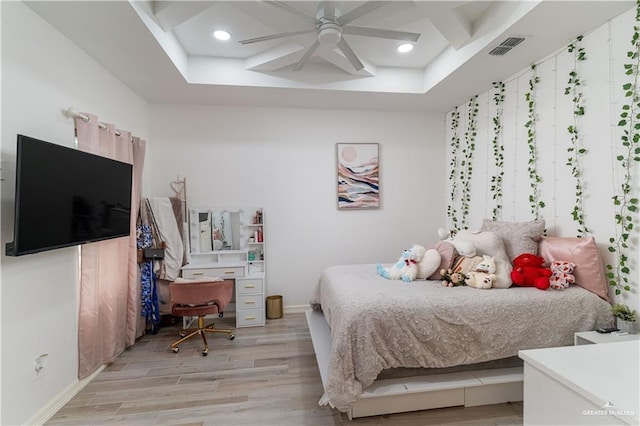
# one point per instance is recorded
(453, 168)
(626, 206)
(466, 166)
(576, 151)
(498, 150)
(532, 165)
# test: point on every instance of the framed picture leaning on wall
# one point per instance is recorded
(358, 171)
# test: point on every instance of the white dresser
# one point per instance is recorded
(589, 384)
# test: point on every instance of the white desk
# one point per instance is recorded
(582, 385)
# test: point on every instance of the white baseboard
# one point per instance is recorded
(296, 309)
(48, 411)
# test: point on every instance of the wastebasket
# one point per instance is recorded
(274, 307)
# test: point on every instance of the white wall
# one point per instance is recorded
(285, 161)
(602, 75)
(43, 73)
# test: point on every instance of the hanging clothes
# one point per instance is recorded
(149, 298)
(162, 212)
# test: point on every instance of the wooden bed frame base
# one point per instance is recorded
(468, 388)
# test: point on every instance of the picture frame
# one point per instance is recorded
(358, 176)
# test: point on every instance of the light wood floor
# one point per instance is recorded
(266, 376)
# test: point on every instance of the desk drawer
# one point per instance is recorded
(218, 271)
(249, 302)
(250, 317)
(248, 286)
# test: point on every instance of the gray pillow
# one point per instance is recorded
(518, 237)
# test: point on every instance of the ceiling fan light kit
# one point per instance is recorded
(329, 33)
(330, 28)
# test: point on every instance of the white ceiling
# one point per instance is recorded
(163, 50)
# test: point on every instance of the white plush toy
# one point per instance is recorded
(484, 275)
(406, 268)
(429, 264)
(463, 247)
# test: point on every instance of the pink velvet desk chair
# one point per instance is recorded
(191, 298)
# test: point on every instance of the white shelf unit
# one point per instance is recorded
(593, 337)
(242, 260)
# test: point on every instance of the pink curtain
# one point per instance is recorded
(109, 284)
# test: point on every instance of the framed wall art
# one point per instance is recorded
(358, 176)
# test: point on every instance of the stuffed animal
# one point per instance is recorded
(484, 275)
(459, 271)
(463, 247)
(406, 268)
(529, 272)
(562, 274)
(450, 278)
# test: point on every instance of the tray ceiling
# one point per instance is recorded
(167, 53)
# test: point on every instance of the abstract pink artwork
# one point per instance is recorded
(358, 176)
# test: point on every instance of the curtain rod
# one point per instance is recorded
(73, 113)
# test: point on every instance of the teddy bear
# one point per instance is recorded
(562, 274)
(406, 268)
(484, 274)
(528, 271)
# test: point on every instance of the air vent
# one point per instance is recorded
(512, 41)
(499, 51)
(506, 46)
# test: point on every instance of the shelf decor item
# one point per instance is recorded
(626, 318)
(358, 176)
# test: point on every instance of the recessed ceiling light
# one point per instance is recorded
(404, 48)
(222, 35)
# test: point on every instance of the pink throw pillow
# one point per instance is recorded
(448, 254)
(583, 252)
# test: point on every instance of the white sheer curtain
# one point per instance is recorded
(109, 284)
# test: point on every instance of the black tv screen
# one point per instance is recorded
(66, 197)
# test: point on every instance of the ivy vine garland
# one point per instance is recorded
(498, 150)
(453, 166)
(466, 166)
(626, 206)
(532, 165)
(575, 150)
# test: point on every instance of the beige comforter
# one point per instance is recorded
(378, 324)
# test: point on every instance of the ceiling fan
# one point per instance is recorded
(330, 28)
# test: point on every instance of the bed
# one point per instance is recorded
(377, 324)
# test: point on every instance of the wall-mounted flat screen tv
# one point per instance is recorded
(65, 197)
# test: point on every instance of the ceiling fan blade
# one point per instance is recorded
(379, 33)
(351, 56)
(282, 5)
(275, 36)
(359, 11)
(306, 55)
(329, 9)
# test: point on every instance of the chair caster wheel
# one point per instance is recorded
(205, 352)
(182, 334)
(175, 350)
(232, 336)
